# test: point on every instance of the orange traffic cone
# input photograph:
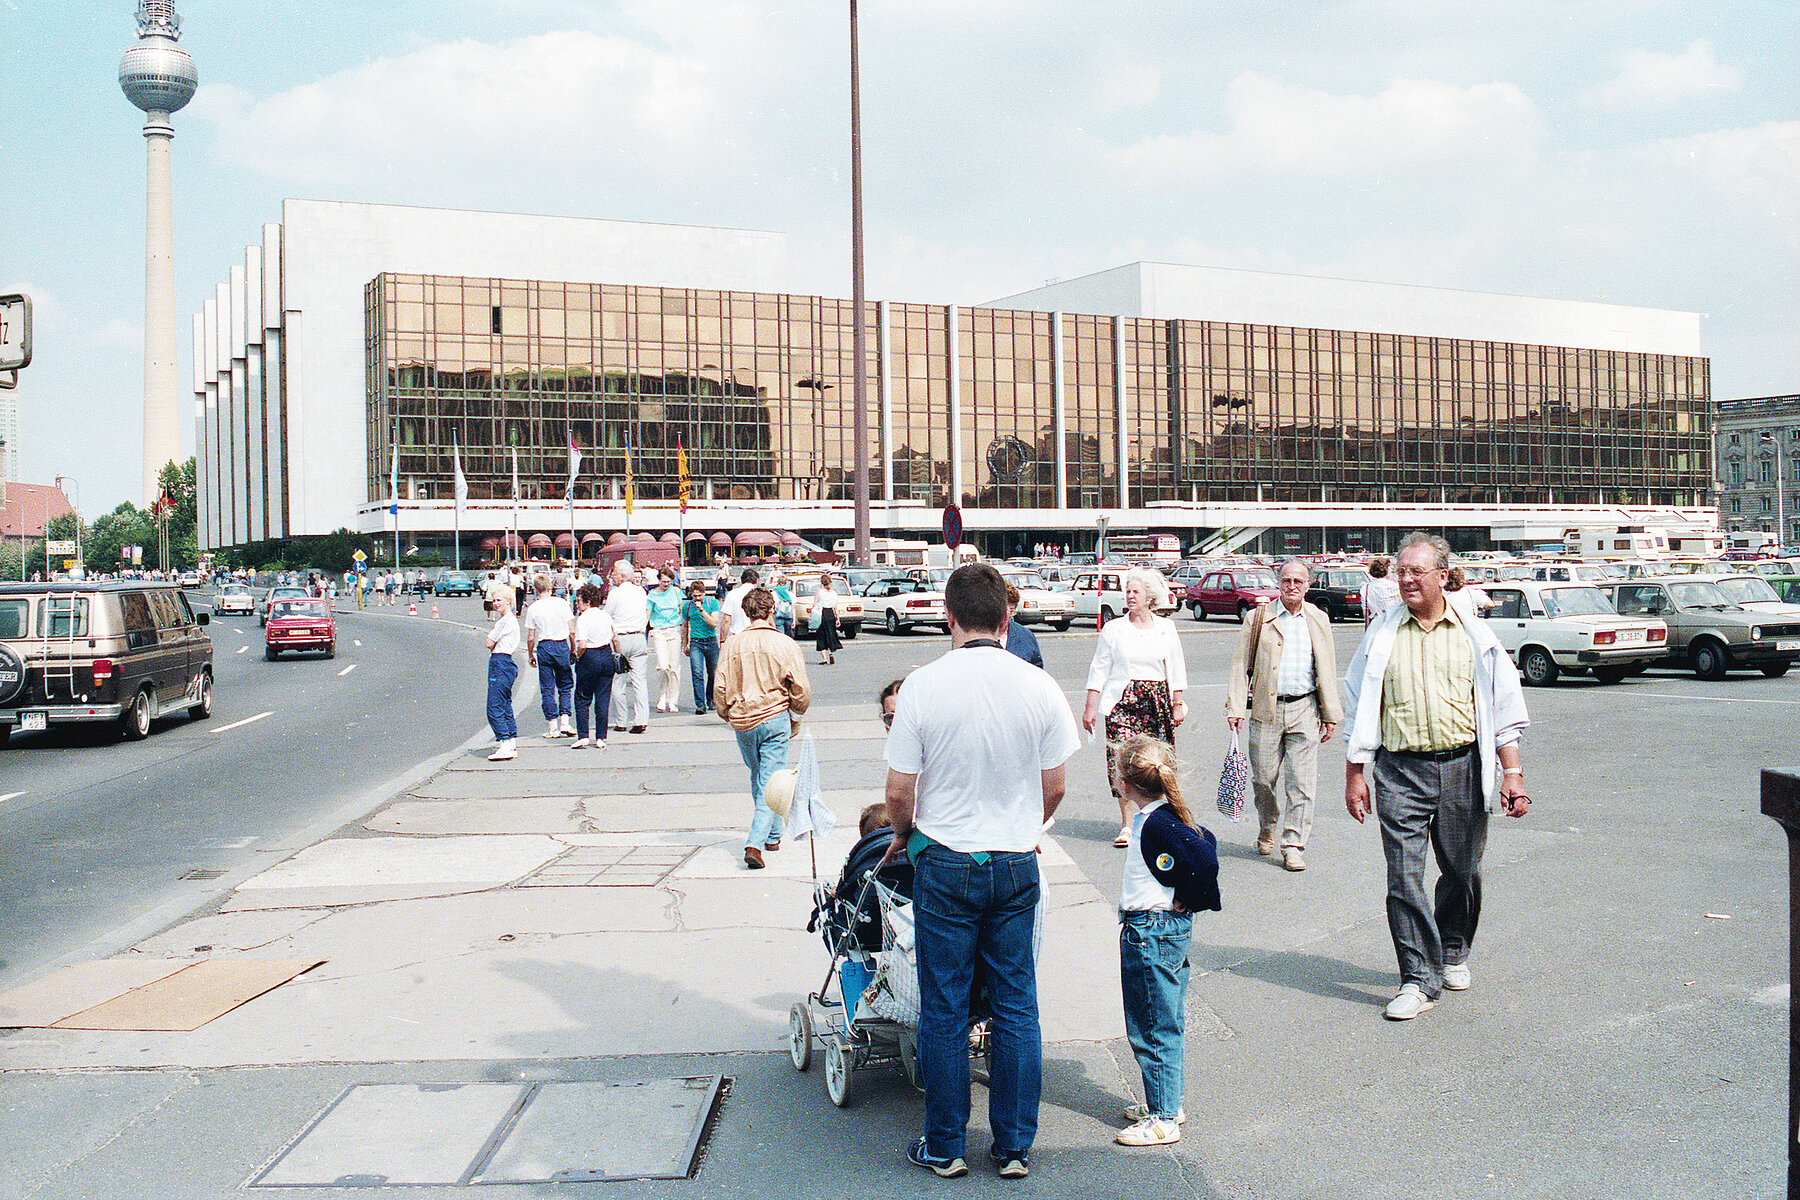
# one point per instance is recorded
(412, 608)
(434, 615)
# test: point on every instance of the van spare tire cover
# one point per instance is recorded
(12, 676)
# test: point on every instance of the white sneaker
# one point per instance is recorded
(1151, 1131)
(555, 730)
(1456, 977)
(1137, 1112)
(579, 743)
(568, 727)
(1408, 1004)
(503, 751)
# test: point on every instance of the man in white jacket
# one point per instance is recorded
(1432, 701)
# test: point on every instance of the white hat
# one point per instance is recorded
(778, 791)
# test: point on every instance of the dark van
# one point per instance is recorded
(126, 652)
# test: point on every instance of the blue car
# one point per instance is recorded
(454, 583)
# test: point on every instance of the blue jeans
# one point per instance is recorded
(785, 625)
(502, 670)
(1153, 977)
(556, 682)
(764, 748)
(593, 691)
(703, 664)
(967, 911)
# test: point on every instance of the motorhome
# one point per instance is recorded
(1620, 541)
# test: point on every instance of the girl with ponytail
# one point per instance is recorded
(1171, 872)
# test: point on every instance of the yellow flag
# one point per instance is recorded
(682, 471)
(630, 497)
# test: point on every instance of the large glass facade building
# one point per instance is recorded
(1001, 408)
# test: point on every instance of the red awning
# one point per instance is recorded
(565, 541)
(615, 539)
(490, 543)
(539, 541)
(721, 541)
(790, 538)
(593, 537)
(673, 539)
(757, 537)
(696, 537)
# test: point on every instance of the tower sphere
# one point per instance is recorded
(157, 75)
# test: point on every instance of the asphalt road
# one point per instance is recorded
(96, 833)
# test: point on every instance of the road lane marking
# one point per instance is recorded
(354, 642)
(346, 670)
(241, 649)
(245, 721)
(1713, 699)
(10, 796)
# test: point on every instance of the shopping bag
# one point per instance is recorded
(1234, 781)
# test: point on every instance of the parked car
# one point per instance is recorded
(192, 579)
(1549, 628)
(1338, 591)
(126, 652)
(849, 607)
(899, 602)
(455, 583)
(1232, 592)
(1038, 603)
(1706, 630)
(279, 592)
(300, 625)
(1099, 592)
(1787, 587)
(1756, 593)
(234, 598)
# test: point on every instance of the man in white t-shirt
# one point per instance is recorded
(628, 608)
(975, 769)
(731, 608)
(549, 623)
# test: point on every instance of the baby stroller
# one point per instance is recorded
(871, 1018)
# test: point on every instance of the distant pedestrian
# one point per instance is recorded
(761, 687)
(1171, 872)
(1020, 640)
(502, 643)
(784, 602)
(825, 621)
(976, 758)
(731, 605)
(700, 641)
(594, 666)
(629, 610)
(549, 635)
(665, 603)
(1136, 680)
(1381, 592)
(1433, 700)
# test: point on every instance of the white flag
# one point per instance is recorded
(394, 481)
(809, 815)
(574, 469)
(462, 481)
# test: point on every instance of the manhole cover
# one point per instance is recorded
(455, 1135)
(204, 873)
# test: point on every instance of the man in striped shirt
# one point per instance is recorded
(1433, 704)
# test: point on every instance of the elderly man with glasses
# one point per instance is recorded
(1284, 674)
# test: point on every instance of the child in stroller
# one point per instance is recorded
(852, 911)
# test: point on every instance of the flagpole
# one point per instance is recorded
(394, 487)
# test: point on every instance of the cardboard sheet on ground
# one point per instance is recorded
(162, 995)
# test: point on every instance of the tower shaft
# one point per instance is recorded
(162, 421)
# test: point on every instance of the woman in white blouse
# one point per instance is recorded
(1137, 678)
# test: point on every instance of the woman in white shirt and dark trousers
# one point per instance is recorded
(1137, 678)
(502, 644)
(593, 666)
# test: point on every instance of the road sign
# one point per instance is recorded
(15, 332)
(360, 557)
(953, 527)
(59, 547)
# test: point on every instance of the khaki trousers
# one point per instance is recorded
(1284, 756)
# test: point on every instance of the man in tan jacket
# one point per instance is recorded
(761, 685)
(1285, 673)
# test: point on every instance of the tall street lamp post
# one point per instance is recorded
(74, 504)
(859, 334)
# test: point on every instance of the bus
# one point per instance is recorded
(1139, 546)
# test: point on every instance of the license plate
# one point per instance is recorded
(1631, 635)
(33, 722)
(1786, 645)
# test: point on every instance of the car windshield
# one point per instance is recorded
(1575, 602)
(235, 589)
(1255, 579)
(1748, 589)
(301, 608)
(1699, 594)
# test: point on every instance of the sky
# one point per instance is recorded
(1639, 152)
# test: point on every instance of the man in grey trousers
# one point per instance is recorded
(1433, 701)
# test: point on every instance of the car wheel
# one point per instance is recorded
(331, 650)
(202, 708)
(1061, 626)
(269, 652)
(850, 631)
(1609, 674)
(893, 624)
(1709, 659)
(1242, 608)
(137, 718)
(1199, 613)
(1102, 617)
(1538, 668)
(1774, 670)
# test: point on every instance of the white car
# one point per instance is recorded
(1550, 628)
(1099, 592)
(234, 598)
(1039, 604)
(897, 603)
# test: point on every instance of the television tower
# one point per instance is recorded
(159, 77)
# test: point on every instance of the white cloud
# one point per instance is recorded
(1652, 80)
(459, 108)
(121, 334)
(1273, 125)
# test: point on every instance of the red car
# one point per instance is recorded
(1232, 592)
(300, 625)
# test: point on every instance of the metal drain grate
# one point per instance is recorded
(461, 1134)
(205, 873)
(610, 866)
